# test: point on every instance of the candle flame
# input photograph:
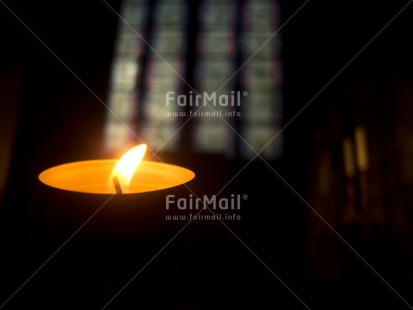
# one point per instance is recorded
(126, 166)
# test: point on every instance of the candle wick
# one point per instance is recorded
(117, 185)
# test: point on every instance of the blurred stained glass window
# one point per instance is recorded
(151, 60)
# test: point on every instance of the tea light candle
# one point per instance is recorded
(128, 196)
(129, 175)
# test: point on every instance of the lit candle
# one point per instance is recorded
(128, 196)
(132, 174)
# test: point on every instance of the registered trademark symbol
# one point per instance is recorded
(245, 93)
(245, 197)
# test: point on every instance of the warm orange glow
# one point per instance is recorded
(92, 177)
(127, 165)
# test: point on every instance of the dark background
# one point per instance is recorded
(49, 117)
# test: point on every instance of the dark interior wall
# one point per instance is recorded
(52, 57)
(61, 55)
(351, 62)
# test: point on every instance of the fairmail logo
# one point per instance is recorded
(212, 202)
(233, 99)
